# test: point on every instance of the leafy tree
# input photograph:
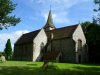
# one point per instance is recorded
(97, 2)
(8, 50)
(85, 26)
(6, 7)
(97, 10)
(92, 33)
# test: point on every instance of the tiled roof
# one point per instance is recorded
(62, 32)
(27, 38)
(57, 34)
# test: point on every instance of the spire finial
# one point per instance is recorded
(49, 23)
(50, 4)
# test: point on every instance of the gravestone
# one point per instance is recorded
(2, 58)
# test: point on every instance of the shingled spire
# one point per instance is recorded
(49, 24)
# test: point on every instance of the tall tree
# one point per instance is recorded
(8, 50)
(6, 7)
(92, 33)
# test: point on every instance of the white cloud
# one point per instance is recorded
(59, 3)
(59, 7)
(56, 4)
(12, 36)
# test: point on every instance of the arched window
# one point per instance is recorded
(42, 48)
(79, 44)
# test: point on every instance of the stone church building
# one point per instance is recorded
(69, 40)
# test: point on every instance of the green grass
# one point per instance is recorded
(34, 68)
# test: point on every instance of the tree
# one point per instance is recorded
(6, 7)
(97, 10)
(8, 50)
(92, 34)
(85, 26)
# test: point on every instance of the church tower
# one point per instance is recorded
(49, 24)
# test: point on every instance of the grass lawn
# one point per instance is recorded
(34, 68)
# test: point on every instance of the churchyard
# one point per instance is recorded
(35, 68)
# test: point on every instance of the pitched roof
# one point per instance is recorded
(49, 22)
(62, 32)
(27, 38)
(57, 34)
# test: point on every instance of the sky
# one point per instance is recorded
(34, 13)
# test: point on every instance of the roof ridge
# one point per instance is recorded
(32, 31)
(27, 38)
(65, 27)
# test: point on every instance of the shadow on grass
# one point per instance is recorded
(32, 64)
(91, 64)
(4, 70)
(88, 70)
(52, 70)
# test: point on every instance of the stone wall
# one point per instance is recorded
(23, 52)
(79, 35)
(40, 40)
(67, 48)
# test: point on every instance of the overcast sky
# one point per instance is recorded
(33, 14)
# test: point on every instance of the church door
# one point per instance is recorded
(79, 59)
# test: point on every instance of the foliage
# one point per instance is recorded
(97, 10)
(92, 32)
(6, 7)
(8, 50)
(97, 2)
(85, 26)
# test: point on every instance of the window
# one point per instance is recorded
(79, 44)
(42, 48)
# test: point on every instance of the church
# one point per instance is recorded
(69, 40)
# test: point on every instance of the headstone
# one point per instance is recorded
(3, 59)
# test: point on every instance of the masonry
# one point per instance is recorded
(69, 40)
